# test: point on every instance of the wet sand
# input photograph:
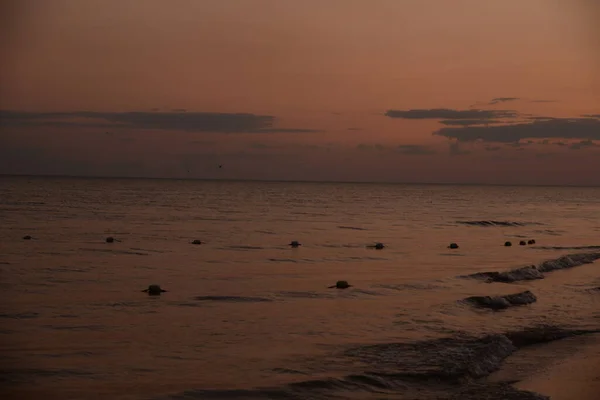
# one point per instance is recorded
(576, 377)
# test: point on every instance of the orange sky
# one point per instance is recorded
(331, 69)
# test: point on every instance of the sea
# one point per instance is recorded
(245, 315)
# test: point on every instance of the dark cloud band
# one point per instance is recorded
(174, 121)
(449, 114)
(563, 128)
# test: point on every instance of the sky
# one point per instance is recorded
(432, 91)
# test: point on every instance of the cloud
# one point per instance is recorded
(467, 122)
(562, 128)
(502, 100)
(414, 149)
(449, 114)
(174, 121)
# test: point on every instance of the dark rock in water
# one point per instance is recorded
(110, 239)
(154, 290)
(379, 246)
(507, 244)
(26, 237)
(453, 246)
(522, 243)
(502, 302)
(295, 243)
(531, 241)
(544, 333)
(340, 285)
(196, 241)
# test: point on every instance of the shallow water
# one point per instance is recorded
(244, 310)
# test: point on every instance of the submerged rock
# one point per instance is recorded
(453, 246)
(196, 241)
(154, 290)
(340, 285)
(531, 241)
(27, 237)
(295, 243)
(522, 243)
(377, 246)
(110, 239)
(507, 244)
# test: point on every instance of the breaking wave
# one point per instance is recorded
(355, 228)
(537, 271)
(502, 302)
(488, 223)
(566, 247)
(444, 367)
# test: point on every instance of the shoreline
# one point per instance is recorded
(575, 377)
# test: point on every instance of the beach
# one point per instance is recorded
(576, 376)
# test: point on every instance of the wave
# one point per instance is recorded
(236, 299)
(488, 223)
(408, 286)
(306, 295)
(566, 247)
(544, 333)
(245, 247)
(266, 232)
(445, 367)
(502, 302)
(25, 315)
(537, 271)
(76, 327)
(354, 228)
(29, 374)
(136, 253)
(498, 391)
(443, 359)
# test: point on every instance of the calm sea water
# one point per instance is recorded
(244, 310)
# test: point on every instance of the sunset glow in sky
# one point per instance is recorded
(465, 91)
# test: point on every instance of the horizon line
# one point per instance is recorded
(3, 175)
